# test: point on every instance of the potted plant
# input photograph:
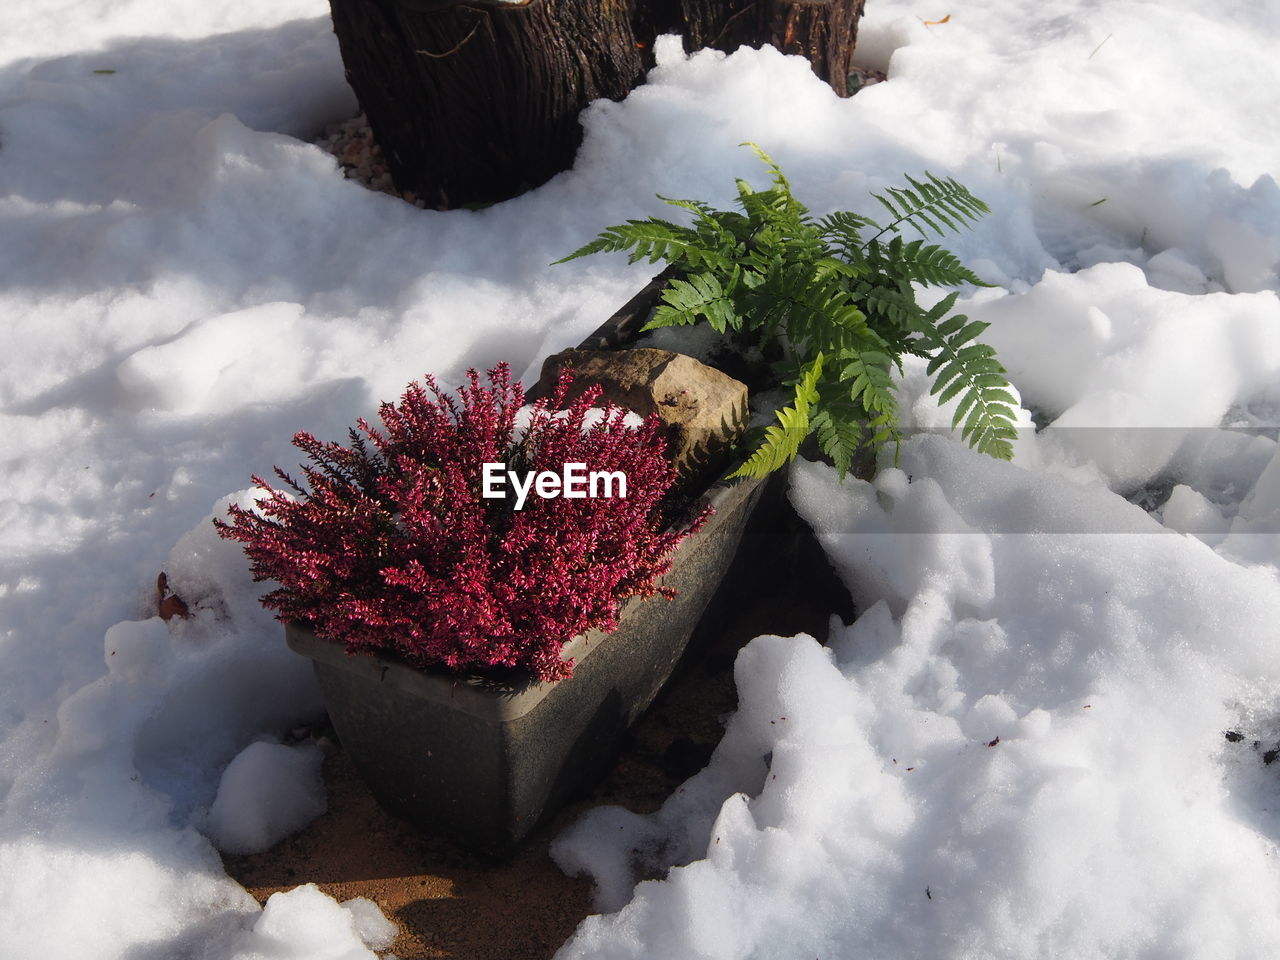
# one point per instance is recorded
(481, 648)
(471, 614)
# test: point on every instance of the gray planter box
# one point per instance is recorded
(483, 764)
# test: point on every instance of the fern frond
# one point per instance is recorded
(791, 297)
(870, 383)
(654, 240)
(934, 202)
(775, 204)
(711, 226)
(698, 207)
(785, 241)
(782, 441)
(770, 206)
(844, 229)
(841, 431)
(779, 179)
(735, 224)
(917, 262)
(701, 296)
(892, 306)
(827, 267)
(756, 204)
(960, 368)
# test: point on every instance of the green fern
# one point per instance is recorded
(701, 297)
(840, 434)
(842, 309)
(782, 441)
(935, 203)
(654, 240)
(969, 370)
(931, 265)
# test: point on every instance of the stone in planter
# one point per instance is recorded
(704, 410)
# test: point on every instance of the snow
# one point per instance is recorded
(374, 929)
(267, 792)
(1109, 818)
(188, 281)
(304, 924)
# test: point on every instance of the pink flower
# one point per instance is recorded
(390, 547)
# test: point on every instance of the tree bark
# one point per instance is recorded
(821, 31)
(472, 103)
(477, 101)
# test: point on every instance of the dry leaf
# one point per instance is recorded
(172, 605)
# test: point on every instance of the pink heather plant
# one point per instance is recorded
(394, 549)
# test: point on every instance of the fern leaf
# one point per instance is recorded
(971, 331)
(606, 242)
(714, 228)
(827, 267)
(780, 181)
(777, 205)
(953, 324)
(838, 439)
(895, 214)
(701, 296)
(812, 310)
(654, 240)
(930, 265)
(782, 441)
(842, 231)
(931, 200)
(841, 428)
(935, 314)
(698, 207)
(871, 384)
(949, 383)
(844, 224)
(971, 372)
(770, 206)
(889, 304)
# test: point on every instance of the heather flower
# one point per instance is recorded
(386, 544)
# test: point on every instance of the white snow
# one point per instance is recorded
(187, 281)
(373, 928)
(304, 924)
(861, 805)
(267, 792)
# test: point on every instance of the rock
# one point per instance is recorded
(704, 410)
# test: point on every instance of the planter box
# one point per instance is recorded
(482, 763)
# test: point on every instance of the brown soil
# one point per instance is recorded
(449, 903)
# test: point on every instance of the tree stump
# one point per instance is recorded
(821, 31)
(475, 101)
